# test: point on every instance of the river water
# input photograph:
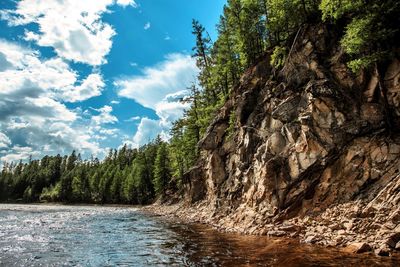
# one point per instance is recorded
(39, 235)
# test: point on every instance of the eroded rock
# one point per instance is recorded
(359, 247)
(310, 151)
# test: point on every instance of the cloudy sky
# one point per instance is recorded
(89, 75)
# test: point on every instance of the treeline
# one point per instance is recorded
(131, 176)
(247, 31)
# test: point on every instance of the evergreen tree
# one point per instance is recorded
(162, 170)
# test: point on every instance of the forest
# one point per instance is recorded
(248, 30)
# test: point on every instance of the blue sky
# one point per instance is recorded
(90, 75)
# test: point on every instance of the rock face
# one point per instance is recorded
(310, 155)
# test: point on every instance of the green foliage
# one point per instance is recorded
(27, 196)
(162, 170)
(51, 194)
(124, 176)
(335, 9)
(358, 33)
(246, 31)
(371, 32)
(278, 57)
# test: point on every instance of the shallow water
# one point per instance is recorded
(38, 235)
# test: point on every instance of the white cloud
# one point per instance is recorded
(52, 77)
(73, 28)
(160, 88)
(135, 118)
(147, 26)
(17, 153)
(90, 87)
(148, 129)
(4, 141)
(33, 113)
(174, 74)
(13, 124)
(105, 116)
(115, 102)
(125, 3)
(112, 132)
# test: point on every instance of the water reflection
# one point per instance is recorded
(206, 247)
(115, 236)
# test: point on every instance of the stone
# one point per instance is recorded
(291, 132)
(368, 212)
(213, 136)
(383, 251)
(289, 228)
(358, 247)
(308, 49)
(276, 233)
(392, 83)
(394, 149)
(276, 143)
(348, 225)
(311, 239)
(373, 113)
(307, 157)
(372, 85)
(287, 110)
(393, 240)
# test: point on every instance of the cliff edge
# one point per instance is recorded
(310, 151)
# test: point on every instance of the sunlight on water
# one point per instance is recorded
(39, 235)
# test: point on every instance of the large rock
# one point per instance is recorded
(310, 149)
(358, 247)
(287, 110)
(392, 83)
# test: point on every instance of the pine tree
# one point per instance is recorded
(162, 170)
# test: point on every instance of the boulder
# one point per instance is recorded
(383, 250)
(393, 240)
(358, 247)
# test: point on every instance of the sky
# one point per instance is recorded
(91, 75)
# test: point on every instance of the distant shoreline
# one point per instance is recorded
(72, 204)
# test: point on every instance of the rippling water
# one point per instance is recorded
(38, 235)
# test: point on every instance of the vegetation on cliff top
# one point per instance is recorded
(248, 29)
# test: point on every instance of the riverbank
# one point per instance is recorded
(348, 227)
(45, 235)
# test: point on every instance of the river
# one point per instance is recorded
(52, 235)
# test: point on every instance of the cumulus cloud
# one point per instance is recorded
(27, 75)
(172, 75)
(160, 88)
(4, 141)
(73, 28)
(125, 3)
(104, 116)
(148, 129)
(112, 132)
(18, 153)
(90, 87)
(34, 118)
(147, 26)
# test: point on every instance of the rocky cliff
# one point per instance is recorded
(309, 151)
